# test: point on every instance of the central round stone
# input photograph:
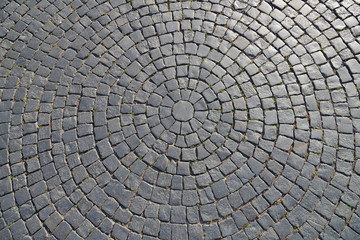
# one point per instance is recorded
(183, 111)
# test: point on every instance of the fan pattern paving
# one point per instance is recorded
(158, 119)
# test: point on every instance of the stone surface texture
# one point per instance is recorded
(153, 119)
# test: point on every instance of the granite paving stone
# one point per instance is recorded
(153, 119)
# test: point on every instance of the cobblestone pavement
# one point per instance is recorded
(179, 120)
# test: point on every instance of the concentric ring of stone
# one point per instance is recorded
(96, 141)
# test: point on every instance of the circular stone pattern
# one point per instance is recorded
(183, 111)
(153, 119)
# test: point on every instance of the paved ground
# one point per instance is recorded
(179, 120)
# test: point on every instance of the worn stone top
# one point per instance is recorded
(149, 119)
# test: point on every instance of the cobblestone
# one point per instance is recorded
(227, 119)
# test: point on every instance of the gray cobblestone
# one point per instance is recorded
(180, 120)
